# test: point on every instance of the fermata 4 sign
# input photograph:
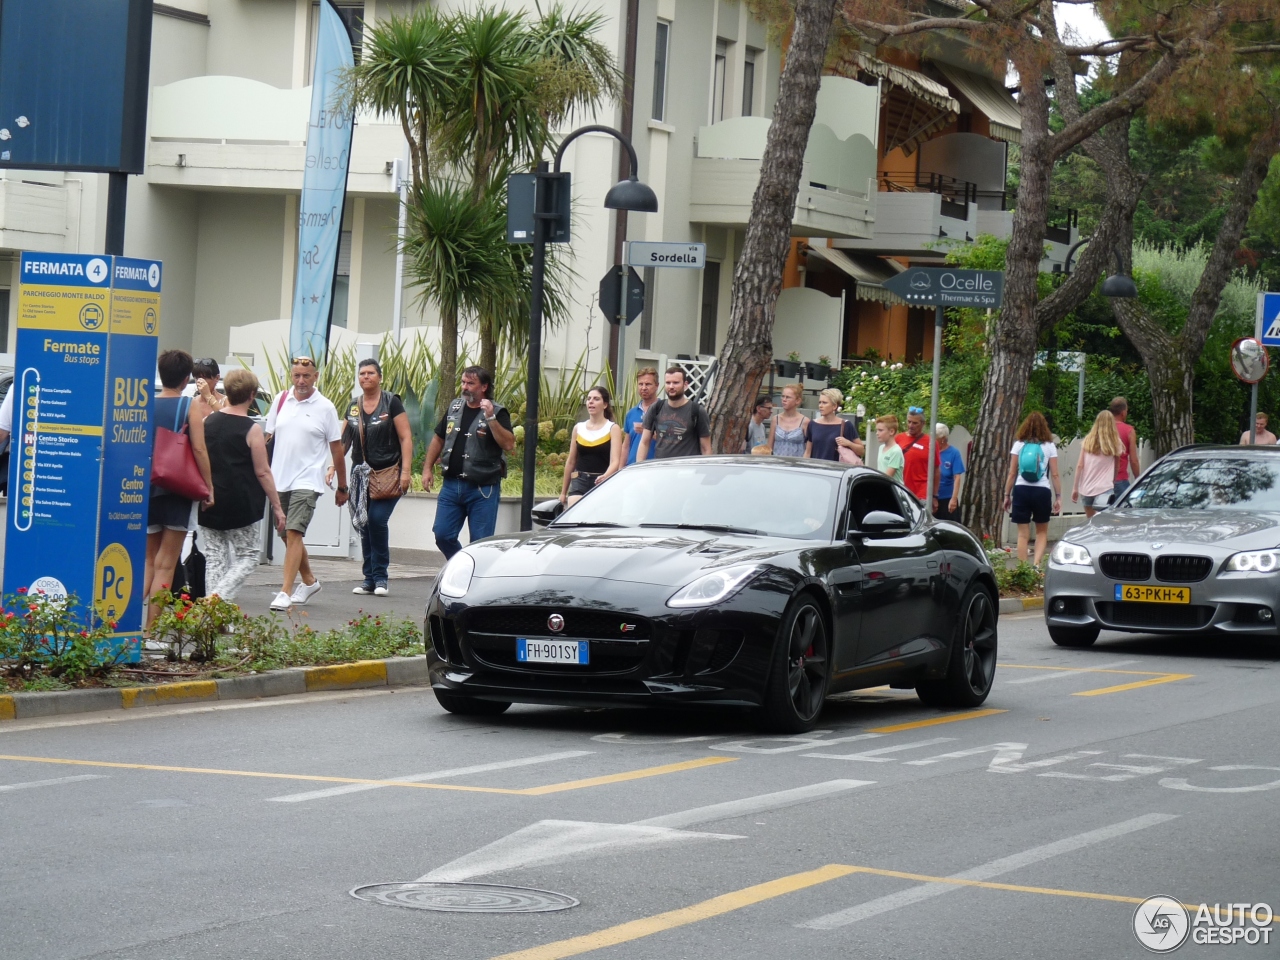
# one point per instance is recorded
(945, 287)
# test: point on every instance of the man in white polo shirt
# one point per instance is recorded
(307, 433)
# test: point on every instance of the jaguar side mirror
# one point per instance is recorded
(543, 513)
(882, 523)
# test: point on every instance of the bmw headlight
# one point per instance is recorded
(1071, 555)
(1254, 561)
(713, 587)
(455, 579)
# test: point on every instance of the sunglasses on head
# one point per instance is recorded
(915, 410)
(303, 362)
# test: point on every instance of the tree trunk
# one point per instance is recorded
(488, 343)
(748, 349)
(1013, 340)
(448, 359)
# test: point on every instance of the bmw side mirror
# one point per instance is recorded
(882, 523)
(543, 513)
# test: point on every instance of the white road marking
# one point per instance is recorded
(987, 871)
(9, 787)
(1004, 753)
(749, 805)
(548, 841)
(876, 756)
(424, 777)
(630, 739)
(808, 741)
(1180, 783)
(999, 765)
(1055, 674)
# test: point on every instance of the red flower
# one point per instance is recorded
(184, 596)
(112, 624)
(180, 615)
(33, 606)
(9, 615)
(22, 590)
(84, 633)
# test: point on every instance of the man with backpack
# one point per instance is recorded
(675, 425)
(1032, 490)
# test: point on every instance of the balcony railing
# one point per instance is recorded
(1062, 220)
(956, 194)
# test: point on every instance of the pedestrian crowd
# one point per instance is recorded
(238, 466)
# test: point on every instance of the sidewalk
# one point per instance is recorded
(335, 604)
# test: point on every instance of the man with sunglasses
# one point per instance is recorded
(306, 433)
(915, 455)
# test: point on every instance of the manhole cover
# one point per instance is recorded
(464, 897)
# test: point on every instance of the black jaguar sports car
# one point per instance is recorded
(756, 582)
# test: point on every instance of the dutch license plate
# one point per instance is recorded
(1137, 593)
(552, 651)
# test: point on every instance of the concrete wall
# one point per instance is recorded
(254, 39)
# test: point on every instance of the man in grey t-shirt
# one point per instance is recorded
(676, 425)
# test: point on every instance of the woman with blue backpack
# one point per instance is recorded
(1032, 491)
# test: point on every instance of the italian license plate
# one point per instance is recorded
(1138, 593)
(552, 651)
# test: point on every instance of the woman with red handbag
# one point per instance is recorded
(180, 474)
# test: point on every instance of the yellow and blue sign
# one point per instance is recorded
(82, 432)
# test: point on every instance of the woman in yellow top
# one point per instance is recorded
(596, 448)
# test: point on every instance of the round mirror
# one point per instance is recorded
(1249, 360)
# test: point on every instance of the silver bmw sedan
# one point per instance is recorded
(1193, 546)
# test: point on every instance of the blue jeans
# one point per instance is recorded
(374, 541)
(1121, 486)
(461, 500)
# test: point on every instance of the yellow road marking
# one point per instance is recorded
(934, 721)
(635, 929)
(988, 885)
(525, 792)
(623, 777)
(1162, 678)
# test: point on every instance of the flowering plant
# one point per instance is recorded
(196, 625)
(44, 633)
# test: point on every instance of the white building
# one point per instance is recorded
(902, 151)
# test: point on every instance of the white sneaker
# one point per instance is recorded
(303, 593)
(381, 590)
(362, 591)
(282, 601)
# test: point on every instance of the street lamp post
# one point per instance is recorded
(629, 194)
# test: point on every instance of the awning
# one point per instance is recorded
(915, 106)
(870, 273)
(989, 97)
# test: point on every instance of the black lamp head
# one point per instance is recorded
(631, 194)
(1119, 287)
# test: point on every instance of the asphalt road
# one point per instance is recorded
(1092, 780)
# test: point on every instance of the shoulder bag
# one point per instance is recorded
(847, 454)
(173, 464)
(384, 484)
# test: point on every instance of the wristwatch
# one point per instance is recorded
(342, 489)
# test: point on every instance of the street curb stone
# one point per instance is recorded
(1019, 604)
(395, 672)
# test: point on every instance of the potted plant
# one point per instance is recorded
(820, 370)
(789, 367)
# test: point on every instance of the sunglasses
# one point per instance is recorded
(915, 410)
(303, 362)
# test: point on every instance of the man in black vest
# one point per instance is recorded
(471, 441)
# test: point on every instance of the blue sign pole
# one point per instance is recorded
(324, 190)
(81, 436)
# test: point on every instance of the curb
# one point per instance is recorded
(399, 671)
(1019, 604)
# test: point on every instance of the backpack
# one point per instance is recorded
(1031, 462)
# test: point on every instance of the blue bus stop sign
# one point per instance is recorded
(1269, 317)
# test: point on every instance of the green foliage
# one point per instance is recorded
(1013, 577)
(193, 627)
(43, 636)
(264, 643)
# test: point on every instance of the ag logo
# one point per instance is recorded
(96, 270)
(112, 582)
(91, 316)
(555, 623)
(149, 319)
(921, 281)
(1161, 924)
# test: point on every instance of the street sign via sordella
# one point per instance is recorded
(947, 287)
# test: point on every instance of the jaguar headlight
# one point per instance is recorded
(713, 587)
(455, 579)
(1070, 555)
(1254, 561)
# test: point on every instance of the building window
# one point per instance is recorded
(352, 14)
(717, 81)
(342, 280)
(710, 307)
(748, 82)
(660, 48)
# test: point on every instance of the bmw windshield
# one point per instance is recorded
(720, 498)
(1209, 482)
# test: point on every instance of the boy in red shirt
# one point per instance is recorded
(915, 456)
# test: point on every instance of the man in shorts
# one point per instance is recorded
(307, 433)
(1128, 459)
(914, 445)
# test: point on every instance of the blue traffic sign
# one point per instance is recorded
(1269, 310)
